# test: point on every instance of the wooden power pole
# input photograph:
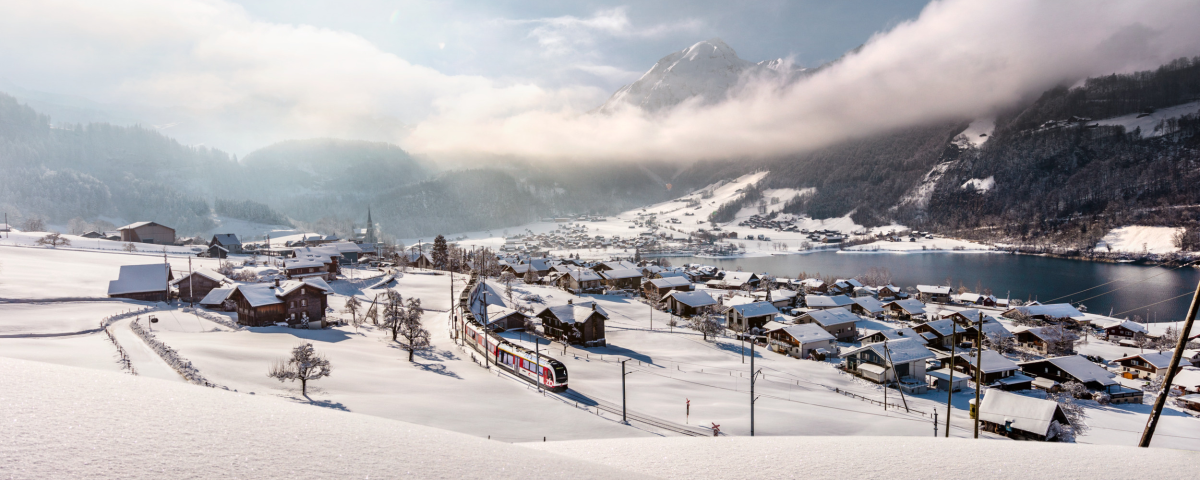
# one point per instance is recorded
(978, 369)
(1161, 401)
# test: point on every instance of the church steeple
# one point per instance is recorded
(370, 238)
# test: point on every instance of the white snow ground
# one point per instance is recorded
(63, 422)
(1148, 122)
(1138, 239)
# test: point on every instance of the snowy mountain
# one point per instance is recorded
(708, 69)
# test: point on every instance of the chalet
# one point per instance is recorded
(735, 281)
(1191, 402)
(799, 341)
(1125, 330)
(305, 268)
(780, 298)
(1149, 365)
(893, 334)
(517, 269)
(663, 286)
(502, 318)
(887, 362)
(933, 294)
(748, 316)
(907, 310)
(606, 266)
(671, 274)
(1020, 417)
(867, 306)
(1038, 338)
(349, 253)
(991, 330)
(580, 280)
(963, 318)
(940, 333)
(217, 251)
(1187, 380)
(1053, 313)
(866, 291)
(541, 266)
(839, 322)
(228, 241)
(844, 287)
(998, 371)
(577, 323)
(92, 234)
(215, 299)
(823, 302)
(147, 232)
(687, 304)
(195, 286)
(1075, 368)
(814, 286)
(148, 283)
(622, 278)
(418, 259)
(294, 301)
(889, 292)
(976, 299)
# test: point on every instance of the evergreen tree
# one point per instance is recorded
(441, 253)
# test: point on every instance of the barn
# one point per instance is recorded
(142, 282)
(147, 232)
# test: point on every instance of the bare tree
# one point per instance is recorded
(352, 307)
(129, 247)
(393, 314)
(531, 277)
(34, 224)
(508, 279)
(706, 324)
(1022, 319)
(1059, 340)
(414, 334)
(1166, 341)
(1003, 344)
(54, 240)
(304, 365)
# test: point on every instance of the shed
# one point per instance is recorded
(142, 282)
(1020, 417)
(147, 232)
(227, 240)
(687, 304)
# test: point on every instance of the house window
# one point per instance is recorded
(304, 302)
(291, 304)
(302, 291)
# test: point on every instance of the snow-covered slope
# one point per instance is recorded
(65, 422)
(708, 69)
(1147, 122)
(892, 458)
(1138, 238)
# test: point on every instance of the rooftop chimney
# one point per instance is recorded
(276, 282)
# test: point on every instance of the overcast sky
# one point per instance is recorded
(511, 78)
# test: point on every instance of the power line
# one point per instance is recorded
(1156, 303)
(1115, 281)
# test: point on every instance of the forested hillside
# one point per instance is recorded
(1069, 180)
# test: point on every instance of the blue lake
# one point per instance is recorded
(1133, 287)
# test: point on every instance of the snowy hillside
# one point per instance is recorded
(708, 69)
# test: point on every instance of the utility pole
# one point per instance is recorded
(753, 376)
(486, 363)
(978, 369)
(1161, 401)
(950, 387)
(191, 280)
(892, 365)
(537, 350)
(624, 413)
(935, 424)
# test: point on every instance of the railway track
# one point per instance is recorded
(583, 399)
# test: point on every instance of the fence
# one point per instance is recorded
(126, 364)
(878, 402)
(212, 317)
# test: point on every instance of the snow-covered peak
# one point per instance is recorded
(708, 69)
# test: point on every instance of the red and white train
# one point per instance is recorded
(531, 366)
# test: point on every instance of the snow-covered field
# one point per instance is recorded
(1138, 239)
(1148, 122)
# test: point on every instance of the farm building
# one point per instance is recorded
(293, 301)
(195, 286)
(577, 323)
(687, 304)
(1020, 417)
(228, 241)
(147, 232)
(149, 283)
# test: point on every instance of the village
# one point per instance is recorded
(883, 359)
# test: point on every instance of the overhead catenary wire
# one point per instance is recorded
(1115, 281)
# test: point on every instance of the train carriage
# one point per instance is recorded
(528, 365)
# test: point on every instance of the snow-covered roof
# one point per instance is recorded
(1055, 310)
(1132, 326)
(910, 305)
(583, 275)
(619, 265)
(217, 296)
(869, 304)
(497, 313)
(1081, 368)
(992, 362)
(737, 279)
(756, 309)
(822, 301)
(621, 273)
(227, 239)
(141, 278)
(670, 282)
(973, 297)
(673, 273)
(572, 312)
(899, 333)
(206, 273)
(1029, 414)
(1158, 359)
(971, 314)
(832, 316)
(260, 294)
(304, 263)
(698, 298)
(902, 351)
(933, 289)
(994, 328)
(944, 328)
(137, 225)
(851, 282)
(812, 282)
(807, 333)
(346, 247)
